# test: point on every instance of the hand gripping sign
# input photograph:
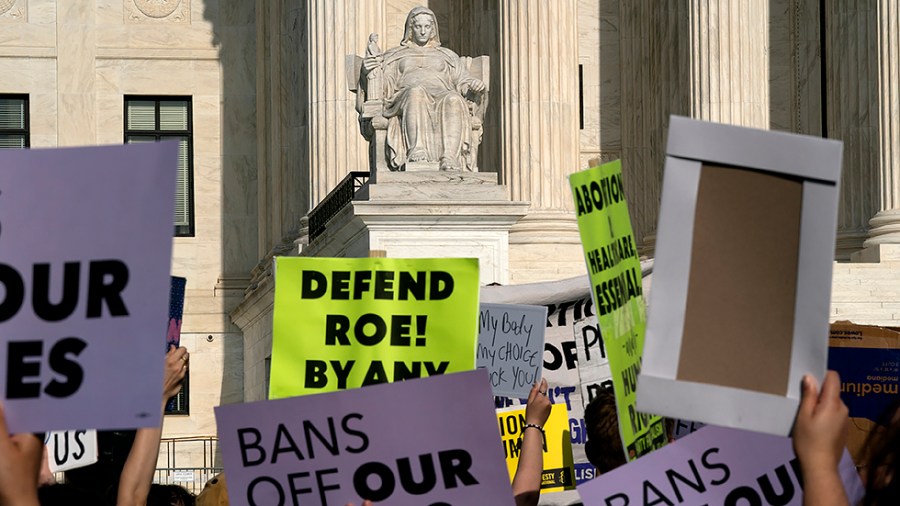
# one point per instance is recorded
(714, 465)
(430, 441)
(86, 246)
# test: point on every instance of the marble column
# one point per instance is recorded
(336, 28)
(707, 59)
(730, 64)
(655, 54)
(851, 65)
(473, 32)
(540, 141)
(795, 66)
(885, 225)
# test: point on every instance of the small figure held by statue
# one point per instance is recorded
(423, 98)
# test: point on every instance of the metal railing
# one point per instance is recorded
(337, 199)
(191, 478)
(197, 455)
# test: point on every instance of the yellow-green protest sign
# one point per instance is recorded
(559, 467)
(615, 273)
(343, 323)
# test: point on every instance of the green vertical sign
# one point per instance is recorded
(615, 274)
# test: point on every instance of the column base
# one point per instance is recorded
(848, 243)
(545, 247)
(876, 254)
(884, 228)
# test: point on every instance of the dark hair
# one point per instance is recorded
(169, 495)
(64, 494)
(604, 444)
(883, 468)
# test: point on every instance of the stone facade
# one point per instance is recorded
(275, 129)
(77, 60)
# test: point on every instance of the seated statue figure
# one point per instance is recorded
(424, 90)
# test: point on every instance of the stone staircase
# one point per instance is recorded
(867, 289)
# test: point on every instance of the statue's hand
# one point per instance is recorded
(476, 86)
(371, 63)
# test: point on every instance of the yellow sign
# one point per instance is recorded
(559, 467)
(343, 323)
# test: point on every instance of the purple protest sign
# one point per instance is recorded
(86, 248)
(426, 441)
(176, 310)
(714, 465)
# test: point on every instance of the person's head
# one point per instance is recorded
(62, 494)
(882, 472)
(421, 28)
(604, 444)
(169, 495)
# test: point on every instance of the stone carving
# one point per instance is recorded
(12, 10)
(157, 10)
(421, 105)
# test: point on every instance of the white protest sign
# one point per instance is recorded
(593, 366)
(70, 449)
(742, 278)
(510, 346)
(86, 247)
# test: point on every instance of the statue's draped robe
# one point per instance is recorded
(423, 89)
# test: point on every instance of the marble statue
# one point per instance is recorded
(428, 98)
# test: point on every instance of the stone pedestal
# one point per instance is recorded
(427, 214)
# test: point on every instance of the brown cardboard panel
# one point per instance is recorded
(845, 334)
(739, 319)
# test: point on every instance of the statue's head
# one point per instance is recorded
(421, 28)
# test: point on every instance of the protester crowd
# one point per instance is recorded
(819, 438)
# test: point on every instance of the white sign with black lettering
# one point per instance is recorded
(183, 475)
(593, 366)
(70, 449)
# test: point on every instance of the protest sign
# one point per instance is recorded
(714, 465)
(868, 361)
(684, 427)
(84, 300)
(742, 279)
(348, 322)
(567, 301)
(593, 366)
(176, 310)
(173, 331)
(559, 471)
(614, 269)
(427, 441)
(511, 346)
(70, 449)
(560, 369)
